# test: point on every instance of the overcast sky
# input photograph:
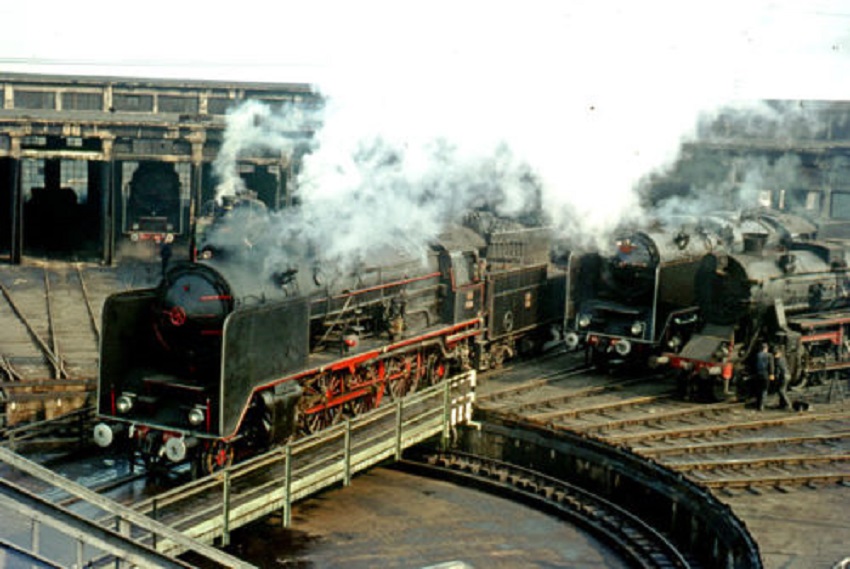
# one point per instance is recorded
(592, 95)
(781, 49)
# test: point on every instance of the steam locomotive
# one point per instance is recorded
(225, 357)
(699, 300)
(152, 210)
(792, 291)
(638, 299)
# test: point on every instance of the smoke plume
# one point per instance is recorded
(563, 111)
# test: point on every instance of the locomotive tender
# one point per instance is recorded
(218, 360)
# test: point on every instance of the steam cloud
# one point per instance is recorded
(565, 110)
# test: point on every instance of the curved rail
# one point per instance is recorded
(689, 514)
(640, 543)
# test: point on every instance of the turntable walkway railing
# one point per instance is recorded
(208, 509)
(197, 515)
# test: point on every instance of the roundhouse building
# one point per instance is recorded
(793, 155)
(99, 167)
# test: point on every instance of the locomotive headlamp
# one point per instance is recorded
(124, 403)
(584, 320)
(637, 328)
(674, 342)
(176, 448)
(196, 416)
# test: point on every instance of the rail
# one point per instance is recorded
(192, 517)
(86, 539)
(210, 508)
(75, 425)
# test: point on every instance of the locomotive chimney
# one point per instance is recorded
(754, 243)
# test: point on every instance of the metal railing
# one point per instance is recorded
(121, 543)
(192, 517)
(210, 508)
(72, 426)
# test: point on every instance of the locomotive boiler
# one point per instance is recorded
(791, 291)
(226, 358)
(638, 299)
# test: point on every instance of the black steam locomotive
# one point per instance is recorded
(639, 298)
(152, 208)
(783, 287)
(225, 357)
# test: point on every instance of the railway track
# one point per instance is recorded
(727, 446)
(640, 544)
(51, 312)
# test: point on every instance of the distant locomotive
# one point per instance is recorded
(639, 299)
(152, 205)
(217, 360)
(792, 291)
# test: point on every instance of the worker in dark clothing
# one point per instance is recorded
(165, 255)
(780, 369)
(764, 375)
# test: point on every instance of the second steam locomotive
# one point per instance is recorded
(699, 301)
(226, 357)
(785, 288)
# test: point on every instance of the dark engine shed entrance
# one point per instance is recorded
(103, 168)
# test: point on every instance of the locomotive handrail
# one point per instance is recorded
(676, 314)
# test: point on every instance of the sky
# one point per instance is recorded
(784, 48)
(591, 96)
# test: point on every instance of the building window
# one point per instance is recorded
(32, 175)
(34, 99)
(133, 103)
(76, 101)
(174, 104)
(840, 207)
(75, 175)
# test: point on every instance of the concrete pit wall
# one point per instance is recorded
(700, 525)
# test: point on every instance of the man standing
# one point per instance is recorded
(780, 367)
(165, 255)
(764, 375)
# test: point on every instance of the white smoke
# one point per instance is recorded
(255, 127)
(434, 108)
